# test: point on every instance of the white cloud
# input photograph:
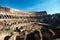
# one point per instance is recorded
(50, 6)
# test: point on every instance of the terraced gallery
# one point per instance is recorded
(21, 21)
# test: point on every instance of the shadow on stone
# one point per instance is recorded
(7, 37)
(18, 38)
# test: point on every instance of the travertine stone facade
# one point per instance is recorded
(11, 17)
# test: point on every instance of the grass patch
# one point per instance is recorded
(10, 30)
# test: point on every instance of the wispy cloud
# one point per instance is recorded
(50, 6)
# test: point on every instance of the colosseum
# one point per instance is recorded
(12, 16)
(28, 21)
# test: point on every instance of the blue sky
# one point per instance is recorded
(51, 6)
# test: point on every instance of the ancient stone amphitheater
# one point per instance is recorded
(26, 22)
(10, 16)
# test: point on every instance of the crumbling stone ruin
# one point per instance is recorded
(20, 24)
